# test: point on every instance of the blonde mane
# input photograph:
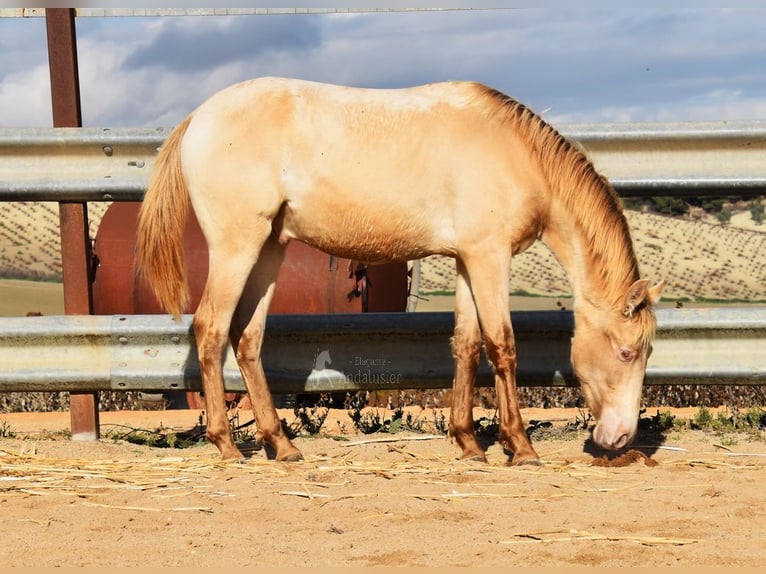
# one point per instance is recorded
(589, 198)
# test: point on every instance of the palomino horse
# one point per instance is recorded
(376, 176)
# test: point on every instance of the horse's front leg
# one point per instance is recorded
(501, 351)
(489, 278)
(466, 349)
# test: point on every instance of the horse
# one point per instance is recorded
(322, 360)
(386, 175)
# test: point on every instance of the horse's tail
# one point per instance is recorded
(161, 225)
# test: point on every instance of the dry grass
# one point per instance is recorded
(324, 478)
(26, 472)
(571, 535)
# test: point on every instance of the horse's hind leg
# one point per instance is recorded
(227, 276)
(489, 281)
(247, 330)
(466, 348)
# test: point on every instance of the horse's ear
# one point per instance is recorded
(640, 292)
(636, 295)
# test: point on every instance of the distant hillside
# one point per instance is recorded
(30, 242)
(699, 260)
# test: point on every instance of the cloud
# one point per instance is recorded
(22, 44)
(25, 99)
(189, 44)
(24, 76)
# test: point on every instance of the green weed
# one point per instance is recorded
(163, 437)
(376, 421)
(307, 422)
(487, 426)
(160, 437)
(751, 423)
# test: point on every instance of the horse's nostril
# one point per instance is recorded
(622, 441)
(612, 442)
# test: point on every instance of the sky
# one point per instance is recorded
(590, 64)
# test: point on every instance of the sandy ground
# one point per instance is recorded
(373, 500)
(18, 297)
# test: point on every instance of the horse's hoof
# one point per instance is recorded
(525, 461)
(474, 457)
(232, 456)
(295, 456)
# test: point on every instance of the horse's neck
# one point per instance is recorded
(566, 243)
(569, 243)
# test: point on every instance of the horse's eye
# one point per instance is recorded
(627, 355)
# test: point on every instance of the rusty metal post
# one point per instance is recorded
(73, 216)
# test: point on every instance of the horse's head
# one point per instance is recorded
(610, 349)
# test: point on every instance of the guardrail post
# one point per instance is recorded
(73, 217)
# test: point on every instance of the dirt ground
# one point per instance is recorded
(373, 500)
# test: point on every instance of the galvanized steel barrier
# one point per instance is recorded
(325, 353)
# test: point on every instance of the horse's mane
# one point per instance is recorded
(588, 196)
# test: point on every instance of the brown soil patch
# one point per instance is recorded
(625, 459)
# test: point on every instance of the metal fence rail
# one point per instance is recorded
(680, 159)
(321, 353)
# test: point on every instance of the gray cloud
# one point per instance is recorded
(582, 64)
(22, 44)
(186, 44)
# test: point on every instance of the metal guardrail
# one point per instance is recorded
(77, 164)
(323, 353)
(680, 159)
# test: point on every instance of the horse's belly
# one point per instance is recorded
(370, 235)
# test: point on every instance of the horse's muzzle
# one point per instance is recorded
(613, 432)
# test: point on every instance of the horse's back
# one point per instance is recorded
(296, 109)
(422, 97)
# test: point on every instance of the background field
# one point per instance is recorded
(699, 258)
